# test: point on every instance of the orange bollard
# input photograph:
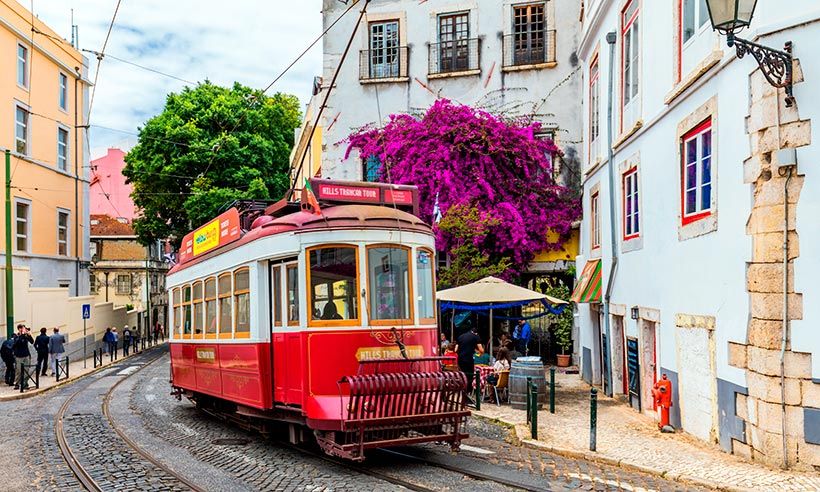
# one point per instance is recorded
(662, 396)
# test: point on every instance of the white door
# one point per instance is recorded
(696, 376)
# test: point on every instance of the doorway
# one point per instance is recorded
(649, 374)
(697, 381)
(618, 359)
(597, 356)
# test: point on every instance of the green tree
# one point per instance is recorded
(209, 146)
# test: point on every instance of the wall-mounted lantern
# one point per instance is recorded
(634, 312)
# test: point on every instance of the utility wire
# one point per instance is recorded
(100, 56)
(100, 59)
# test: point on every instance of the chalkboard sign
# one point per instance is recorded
(633, 372)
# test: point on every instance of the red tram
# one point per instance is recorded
(325, 322)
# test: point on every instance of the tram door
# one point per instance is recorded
(284, 313)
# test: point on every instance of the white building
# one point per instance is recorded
(507, 56)
(699, 193)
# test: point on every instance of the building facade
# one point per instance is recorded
(45, 88)
(712, 180)
(109, 193)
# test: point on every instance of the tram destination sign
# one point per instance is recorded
(331, 191)
(218, 232)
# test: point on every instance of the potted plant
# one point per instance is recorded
(561, 324)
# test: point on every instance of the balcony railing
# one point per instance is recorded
(384, 63)
(460, 55)
(530, 48)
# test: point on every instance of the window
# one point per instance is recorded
(425, 286)
(371, 167)
(594, 111)
(63, 96)
(62, 149)
(93, 285)
(595, 224)
(197, 309)
(242, 301)
(186, 311)
(630, 65)
(22, 219)
(632, 227)
(177, 303)
(384, 49)
(276, 294)
(454, 42)
(333, 283)
(388, 277)
(293, 294)
(695, 15)
(225, 307)
(21, 131)
(124, 284)
(697, 173)
(529, 34)
(62, 233)
(22, 66)
(210, 308)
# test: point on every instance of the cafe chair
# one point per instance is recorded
(501, 385)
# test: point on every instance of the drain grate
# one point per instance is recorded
(227, 441)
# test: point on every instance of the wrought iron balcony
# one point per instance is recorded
(384, 63)
(462, 55)
(530, 48)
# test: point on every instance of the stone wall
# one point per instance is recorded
(773, 126)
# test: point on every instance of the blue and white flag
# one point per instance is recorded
(436, 211)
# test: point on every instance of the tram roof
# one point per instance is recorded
(340, 217)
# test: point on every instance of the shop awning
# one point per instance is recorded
(589, 285)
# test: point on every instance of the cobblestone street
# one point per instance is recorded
(212, 455)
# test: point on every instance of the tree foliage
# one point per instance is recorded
(462, 156)
(560, 324)
(209, 146)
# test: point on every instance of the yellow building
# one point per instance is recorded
(45, 86)
(310, 165)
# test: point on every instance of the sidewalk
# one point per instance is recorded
(75, 371)
(631, 440)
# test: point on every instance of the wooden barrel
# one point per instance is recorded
(521, 369)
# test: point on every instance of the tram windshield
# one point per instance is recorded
(425, 285)
(333, 284)
(388, 273)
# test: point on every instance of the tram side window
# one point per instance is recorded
(425, 285)
(197, 309)
(210, 307)
(177, 301)
(225, 312)
(293, 294)
(333, 284)
(186, 311)
(242, 301)
(276, 294)
(388, 272)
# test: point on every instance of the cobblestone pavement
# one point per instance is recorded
(630, 438)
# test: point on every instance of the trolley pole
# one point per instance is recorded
(9, 271)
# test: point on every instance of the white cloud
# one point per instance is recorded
(246, 41)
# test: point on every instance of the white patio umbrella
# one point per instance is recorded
(492, 290)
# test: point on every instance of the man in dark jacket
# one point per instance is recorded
(41, 346)
(56, 349)
(22, 355)
(7, 353)
(126, 340)
(465, 348)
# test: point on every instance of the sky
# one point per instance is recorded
(249, 41)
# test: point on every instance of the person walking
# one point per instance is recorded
(521, 336)
(41, 346)
(7, 354)
(56, 348)
(126, 340)
(465, 348)
(116, 339)
(107, 338)
(22, 355)
(135, 338)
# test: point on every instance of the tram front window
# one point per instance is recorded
(333, 284)
(388, 272)
(425, 285)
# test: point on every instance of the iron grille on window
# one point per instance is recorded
(530, 42)
(454, 56)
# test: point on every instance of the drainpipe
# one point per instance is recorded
(785, 337)
(610, 39)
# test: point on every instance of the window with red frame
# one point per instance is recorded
(630, 65)
(632, 221)
(594, 111)
(696, 173)
(595, 225)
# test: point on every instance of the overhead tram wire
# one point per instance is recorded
(99, 61)
(100, 56)
(329, 90)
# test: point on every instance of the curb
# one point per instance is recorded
(40, 391)
(521, 438)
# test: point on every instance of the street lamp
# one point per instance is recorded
(730, 16)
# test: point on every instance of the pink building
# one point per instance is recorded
(110, 195)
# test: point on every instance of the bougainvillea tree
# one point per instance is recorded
(461, 156)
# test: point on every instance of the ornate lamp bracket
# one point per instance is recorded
(776, 65)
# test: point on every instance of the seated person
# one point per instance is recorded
(451, 356)
(502, 363)
(330, 312)
(480, 357)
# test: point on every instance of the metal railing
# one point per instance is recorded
(30, 374)
(461, 55)
(61, 368)
(385, 63)
(531, 48)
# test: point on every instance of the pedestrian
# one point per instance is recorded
(443, 342)
(521, 336)
(22, 355)
(465, 348)
(108, 337)
(56, 348)
(157, 332)
(126, 340)
(135, 335)
(116, 339)
(41, 346)
(7, 354)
